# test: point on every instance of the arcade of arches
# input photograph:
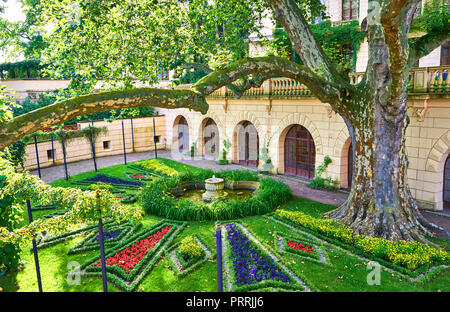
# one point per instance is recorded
(299, 132)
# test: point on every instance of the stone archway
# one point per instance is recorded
(210, 139)
(246, 144)
(437, 161)
(342, 152)
(283, 128)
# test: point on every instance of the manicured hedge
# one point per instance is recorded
(157, 199)
(232, 258)
(119, 183)
(130, 281)
(50, 240)
(192, 264)
(411, 258)
(90, 242)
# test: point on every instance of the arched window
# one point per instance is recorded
(248, 145)
(210, 139)
(350, 10)
(183, 135)
(447, 183)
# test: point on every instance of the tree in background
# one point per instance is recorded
(91, 134)
(140, 35)
(23, 38)
(65, 137)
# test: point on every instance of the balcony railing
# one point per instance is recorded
(421, 80)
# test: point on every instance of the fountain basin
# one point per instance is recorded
(214, 189)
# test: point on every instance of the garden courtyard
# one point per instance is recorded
(272, 240)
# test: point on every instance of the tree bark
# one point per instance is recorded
(380, 203)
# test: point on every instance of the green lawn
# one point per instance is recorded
(346, 272)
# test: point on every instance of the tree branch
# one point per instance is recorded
(261, 67)
(396, 17)
(327, 92)
(238, 90)
(426, 44)
(63, 111)
(304, 43)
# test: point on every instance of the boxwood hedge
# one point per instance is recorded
(157, 197)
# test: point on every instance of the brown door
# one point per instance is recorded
(447, 183)
(299, 152)
(183, 135)
(211, 139)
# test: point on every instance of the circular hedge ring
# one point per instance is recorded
(161, 196)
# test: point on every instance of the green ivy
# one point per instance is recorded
(331, 38)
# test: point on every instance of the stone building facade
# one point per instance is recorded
(299, 131)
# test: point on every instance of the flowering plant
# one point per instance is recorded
(250, 265)
(129, 257)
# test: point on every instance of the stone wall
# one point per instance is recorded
(108, 144)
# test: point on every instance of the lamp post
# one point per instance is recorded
(154, 138)
(124, 148)
(37, 156)
(219, 257)
(36, 259)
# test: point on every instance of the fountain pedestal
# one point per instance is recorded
(214, 189)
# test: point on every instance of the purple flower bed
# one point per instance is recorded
(109, 235)
(112, 180)
(250, 265)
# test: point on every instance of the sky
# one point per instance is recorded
(13, 13)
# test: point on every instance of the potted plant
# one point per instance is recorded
(267, 165)
(226, 148)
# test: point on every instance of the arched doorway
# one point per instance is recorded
(210, 139)
(447, 183)
(299, 152)
(183, 135)
(350, 166)
(248, 144)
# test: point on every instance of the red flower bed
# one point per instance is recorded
(129, 257)
(298, 246)
(137, 175)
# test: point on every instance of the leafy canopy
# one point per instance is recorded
(120, 40)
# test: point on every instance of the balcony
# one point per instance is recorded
(425, 80)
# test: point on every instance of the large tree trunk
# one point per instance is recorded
(380, 203)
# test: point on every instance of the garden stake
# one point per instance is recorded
(37, 157)
(102, 254)
(93, 151)
(132, 134)
(154, 138)
(124, 148)
(36, 259)
(53, 148)
(219, 257)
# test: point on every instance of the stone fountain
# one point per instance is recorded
(214, 189)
